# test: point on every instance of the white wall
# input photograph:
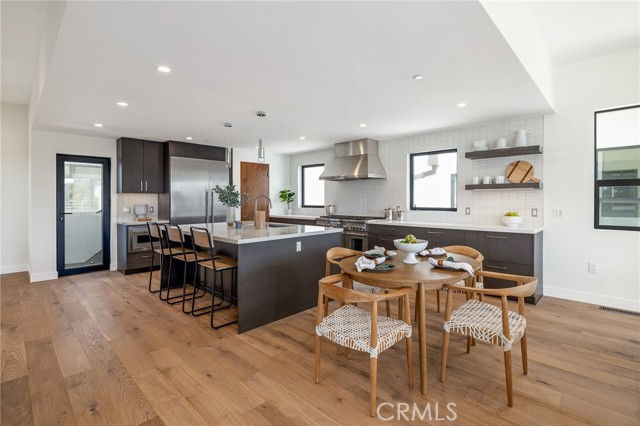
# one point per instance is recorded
(278, 175)
(371, 197)
(42, 217)
(14, 159)
(570, 243)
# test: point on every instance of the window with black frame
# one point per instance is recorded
(433, 180)
(312, 187)
(617, 168)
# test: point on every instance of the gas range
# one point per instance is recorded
(347, 222)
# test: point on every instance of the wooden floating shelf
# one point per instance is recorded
(504, 152)
(528, 185)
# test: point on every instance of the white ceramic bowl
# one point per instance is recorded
(512, 221)
(411, 249)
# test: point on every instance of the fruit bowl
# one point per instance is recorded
(411, 249)
(512, 221)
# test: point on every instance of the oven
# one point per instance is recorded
(138, 239)
(355, 240)
(354, 229)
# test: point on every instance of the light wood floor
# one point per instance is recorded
(99, 349)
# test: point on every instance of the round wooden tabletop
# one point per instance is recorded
(409, 275)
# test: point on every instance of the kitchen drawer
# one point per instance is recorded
(502, 246)
(440, 237)
(389, 230)
(141, 260)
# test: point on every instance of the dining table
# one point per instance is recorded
(422, 277)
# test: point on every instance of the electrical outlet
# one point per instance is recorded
(150, 209)
(557, 213)
(534, 212)
(467, 211)
(298, 245)
(593, 268)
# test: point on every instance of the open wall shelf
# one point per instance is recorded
(504, 152)
(502, 186)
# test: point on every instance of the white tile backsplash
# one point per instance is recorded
(371, 197)
(129, 200)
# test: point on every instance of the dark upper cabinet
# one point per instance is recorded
(140, 166)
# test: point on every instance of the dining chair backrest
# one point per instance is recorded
(175, 239)
(336, 254)
(465, 251)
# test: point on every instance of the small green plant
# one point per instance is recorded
(230, 197)
(514, 214)
(286, 196)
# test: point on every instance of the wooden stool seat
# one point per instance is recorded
(220, 264)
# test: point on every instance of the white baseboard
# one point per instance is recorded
(596, 299)
(14, 268)
(113, 267)
(43, 276)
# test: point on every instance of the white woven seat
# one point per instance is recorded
(369, 289)
(461, 284)
(484, 322)
(350, 326)
(356, 328)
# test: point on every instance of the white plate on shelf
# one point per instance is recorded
(480, 149)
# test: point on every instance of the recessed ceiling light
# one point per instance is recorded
(97, 124)
(163, 69)
(363, 124)
(303, 138)
(461, 105)
(122, 104)
(189, 138)
(418, 77)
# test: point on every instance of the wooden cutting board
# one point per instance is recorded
(520, 172)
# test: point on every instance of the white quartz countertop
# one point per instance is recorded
(248, 234)
(465, 226)
(294, 216)
(140, 222)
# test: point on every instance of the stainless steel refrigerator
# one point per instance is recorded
(190, 197)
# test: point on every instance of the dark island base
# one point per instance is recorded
(275, 280)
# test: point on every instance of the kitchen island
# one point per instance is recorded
(278, 267)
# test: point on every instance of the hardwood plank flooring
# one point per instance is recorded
(99, 349)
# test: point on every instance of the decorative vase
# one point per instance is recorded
(289, 211)
(231, 216)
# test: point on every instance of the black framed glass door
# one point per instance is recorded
(83, 213)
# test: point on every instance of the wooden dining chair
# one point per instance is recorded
(359, 329)
(335, 255)
(492, 324)
(465, 251)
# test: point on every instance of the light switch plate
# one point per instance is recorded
(467, 211)
(534, 212)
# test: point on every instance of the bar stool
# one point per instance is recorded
(178, 252)
(205, 257)
(155, 235)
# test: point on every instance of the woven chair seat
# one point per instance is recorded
(369, 289)
(484, 322)
(350, 327)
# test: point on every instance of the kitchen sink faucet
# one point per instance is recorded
(255, 207)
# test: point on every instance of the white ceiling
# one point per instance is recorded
(317, 69)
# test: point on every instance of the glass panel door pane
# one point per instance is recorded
(83, 212)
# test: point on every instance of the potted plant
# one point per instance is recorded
(286, 196)
(231, 198)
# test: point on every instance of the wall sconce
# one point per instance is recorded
(260, 150)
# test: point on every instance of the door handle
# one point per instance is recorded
(146, 189)
(504, 268)
(495, 238)
(435, 233)
(140, 186)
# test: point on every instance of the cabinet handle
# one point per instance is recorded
(495, 238)
(145, 257)
(140, 186)
(146, 189)
(435, 233)
(388, 229)
(504, 268)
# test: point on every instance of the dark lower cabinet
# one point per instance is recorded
(292, 220)
(506, 252)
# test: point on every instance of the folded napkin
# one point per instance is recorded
(364, 263)
(451, 265)
(377, 250)
(436, 251)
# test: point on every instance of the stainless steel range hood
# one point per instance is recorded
(355, 160)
